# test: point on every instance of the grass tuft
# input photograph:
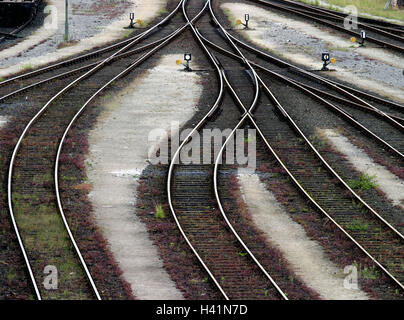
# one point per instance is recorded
(373, 7)
(358, 225)
(363, 182)
(159, 212)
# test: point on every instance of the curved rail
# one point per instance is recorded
(319, 12)
(341, 180)
(246, 113)
(283, 111)
(84, 68)
(177, 152)
(329, 24)
(81, 110)
(18, 144)
(332, 84)
(309, 91)
(95, 52)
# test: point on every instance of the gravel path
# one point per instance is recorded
(117, 159)
(390, 184)
(302, 43)
(305, 256)
(326, 5)
(91, 24)
(3, 121)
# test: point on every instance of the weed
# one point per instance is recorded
(370, 273)
(357, 225)
(127, 34)
(363, 182)
(27, 66)
(159, 212)
(162, 11)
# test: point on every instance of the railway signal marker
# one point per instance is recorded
(132, 22)
(187, 59)
(131, 17)
(325, 57)
(363, 37)
(246, 18)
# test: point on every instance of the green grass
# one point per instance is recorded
(370, 273)
(162, 11)
(46, 239)
(363, 182)
(127, 34)
(231, 18)
(373, 7)
(358, 225)
(27, 67)
(159, 214)
(343, 49)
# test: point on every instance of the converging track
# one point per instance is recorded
(381, 34)
(245, 99)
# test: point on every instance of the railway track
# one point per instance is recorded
(375, 34)
(339, 211)
(380, 24)
(189, 187)
(31, 167)
(190, 194)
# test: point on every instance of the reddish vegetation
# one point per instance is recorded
(397, 170)
(255, 239)
(13, 281)
(178, 260)
(78, 209)
(104, 8)
(338, 247)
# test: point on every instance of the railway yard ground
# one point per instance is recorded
(217, 150)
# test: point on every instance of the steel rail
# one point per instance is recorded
(348, 102)
(215, 186)
(329, 24)
(94, 53)
(291, 121)
(382, 24)
(329, 15)
(302, 87)
(344, 89)
(83, 68)
(17, 146)
(177, 152)
(136, 63)
(332, 84)
(308, 196)
(336, 175)
(252, 107)
(295, 181)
